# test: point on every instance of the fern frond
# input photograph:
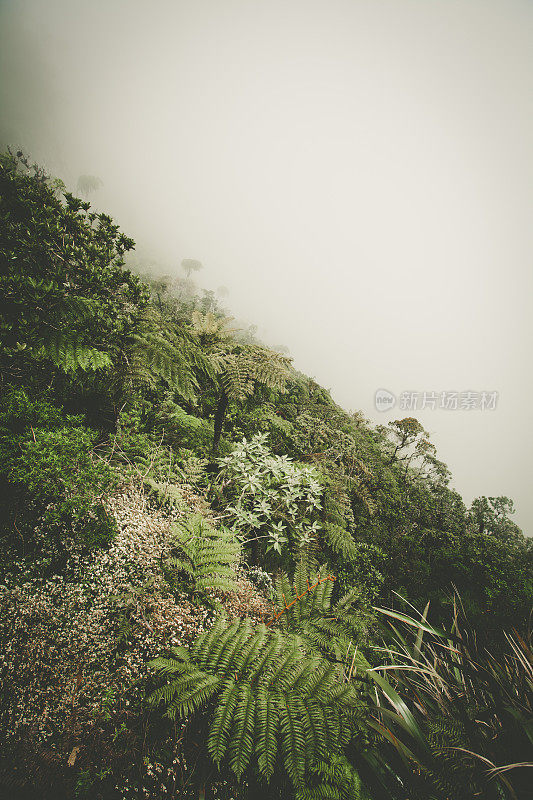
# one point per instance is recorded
(325, 627)
(242, 741)
(194, 695)
(218, 740)
(333, 779)
(267, 721)
(206, 556)
(242, 366)
(159, 351)
(340, 540)
(292, 738)
(266, 695)
(70, 354)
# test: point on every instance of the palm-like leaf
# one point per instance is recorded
(271, 702)
(304, 607)
(205, 557)
(454, 710)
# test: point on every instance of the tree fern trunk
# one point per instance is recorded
(203, 785)
(220, 415)
(258, 790)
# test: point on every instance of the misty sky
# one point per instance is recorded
(358, 174)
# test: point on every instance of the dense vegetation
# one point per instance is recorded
(211, 572)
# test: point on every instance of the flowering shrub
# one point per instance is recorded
(73, 647)
(73, 654)
(270, 499)
(261, 579)
(53, 630)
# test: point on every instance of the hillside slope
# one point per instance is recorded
(175, 487)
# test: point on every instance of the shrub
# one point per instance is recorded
(268, 498)
(68, 302)
(54, 483)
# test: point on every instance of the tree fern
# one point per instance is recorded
(337, 519)
(203, 558)
(339, 540)
(304, 607)
(270, 702)
(67, 350)
(333, 778)
(239, 367)
(210, 325)
(162, 350)
(71, 354)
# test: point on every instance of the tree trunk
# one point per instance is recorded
(204, 785)
(258, 790)
(220, 415)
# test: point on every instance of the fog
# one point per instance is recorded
(358, 174)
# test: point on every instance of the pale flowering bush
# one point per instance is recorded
(73, 662)
(262, 580)
(73, 648)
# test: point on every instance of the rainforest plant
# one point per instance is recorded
(269, 499)
(240, 366)
(116, 398)
(455, 718)
(270, 704)
(303, 605)
(160, 351)
(53, 481)
(68, 303)
(203, 558)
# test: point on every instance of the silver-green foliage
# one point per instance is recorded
(271, 497)
(272, 704)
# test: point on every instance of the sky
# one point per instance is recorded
(358, 174)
